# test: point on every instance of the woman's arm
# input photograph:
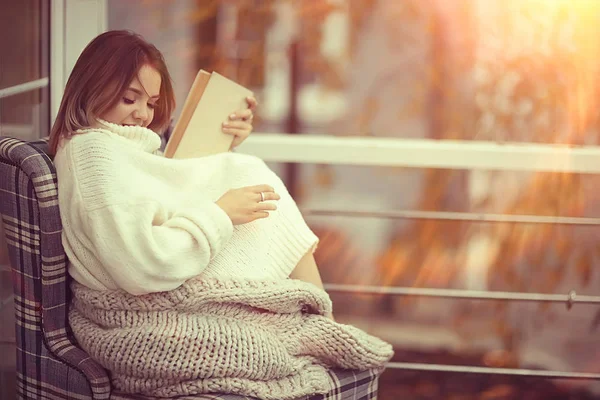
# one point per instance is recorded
(146, 248)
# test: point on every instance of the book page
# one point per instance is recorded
(203, 135)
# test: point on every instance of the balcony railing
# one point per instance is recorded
(470, 155)
(422, 153)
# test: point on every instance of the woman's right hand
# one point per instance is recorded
(246, 204)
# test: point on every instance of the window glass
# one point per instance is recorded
(24, 58)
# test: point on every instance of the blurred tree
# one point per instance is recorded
(430, 252)
(535, 79)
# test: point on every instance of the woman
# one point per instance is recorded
(143, 223)
(181, 267)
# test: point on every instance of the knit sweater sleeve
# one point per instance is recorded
(148, 248)
(143, 240)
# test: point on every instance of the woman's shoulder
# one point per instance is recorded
(86, 138)
(90, 147)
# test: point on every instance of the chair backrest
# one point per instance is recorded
(49, 362)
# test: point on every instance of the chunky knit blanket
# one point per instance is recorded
(269, 340)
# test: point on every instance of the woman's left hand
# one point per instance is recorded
(239, 123)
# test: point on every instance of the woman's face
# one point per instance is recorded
(136, 107)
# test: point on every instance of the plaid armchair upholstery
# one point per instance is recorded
(50, 365)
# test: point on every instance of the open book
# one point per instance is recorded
(211, 100)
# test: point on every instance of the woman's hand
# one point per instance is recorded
(239, 123)
(247, 204)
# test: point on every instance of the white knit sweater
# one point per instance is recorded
(137, 221)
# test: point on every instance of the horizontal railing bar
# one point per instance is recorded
(18, 130)
(23, 87)
(422, 153)
(7, 300)
(492, 371)
(571, 298)
(455, 216)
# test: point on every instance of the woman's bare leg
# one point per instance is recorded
(306, 270)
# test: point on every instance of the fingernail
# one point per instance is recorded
(232, 116)
(225, 124)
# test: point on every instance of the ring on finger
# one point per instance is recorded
(262, 196)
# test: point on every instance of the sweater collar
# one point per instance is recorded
(139, 136)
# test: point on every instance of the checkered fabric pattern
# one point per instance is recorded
(348, 385)
(49, 363)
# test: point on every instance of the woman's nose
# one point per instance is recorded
(141, 113)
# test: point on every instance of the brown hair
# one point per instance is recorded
(101, 76)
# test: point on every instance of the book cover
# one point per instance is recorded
(198, 131)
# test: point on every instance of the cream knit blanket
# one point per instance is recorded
(264, 339)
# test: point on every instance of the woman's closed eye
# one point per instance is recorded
(130, 101)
